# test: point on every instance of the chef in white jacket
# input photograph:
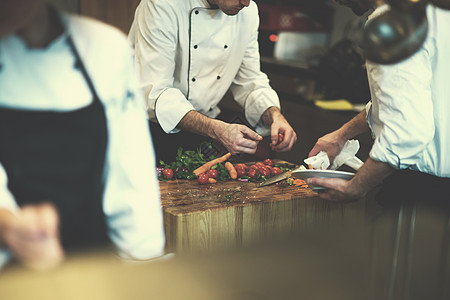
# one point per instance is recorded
(408, 119)
(77, 169)
(189, 53)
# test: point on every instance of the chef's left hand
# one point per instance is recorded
(338, 190)
(282, 135)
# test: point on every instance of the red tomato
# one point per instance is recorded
(212, 173)
(254, 167)
(241, 172)
(268, 162)
(241, 166)
(264, 171)
(203, 178)
(252, 173)
(260, 164)
(276, 171)
(168, 173)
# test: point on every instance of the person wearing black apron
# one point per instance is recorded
(59, 157)
(73, 160)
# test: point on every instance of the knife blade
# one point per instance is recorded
(276, 179)
(280, 177)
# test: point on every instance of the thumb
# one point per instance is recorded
(250, 134)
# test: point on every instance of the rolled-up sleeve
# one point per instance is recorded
(402, 98)
(154, 36)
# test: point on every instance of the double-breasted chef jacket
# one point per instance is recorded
(188, 55)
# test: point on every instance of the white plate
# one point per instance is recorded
(305, 174)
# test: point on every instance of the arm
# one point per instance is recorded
(371, 174)
(154, 34)
(333, 142)
(252, 91)
(402, 113)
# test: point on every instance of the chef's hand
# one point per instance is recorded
(238, 138)
(338, 190)
(331, 143)
(32, 236)
(282, 136)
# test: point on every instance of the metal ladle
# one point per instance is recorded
(394, 35)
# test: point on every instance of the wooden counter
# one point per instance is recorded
(202, 218)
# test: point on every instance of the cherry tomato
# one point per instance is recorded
(268, 162)
(212, 173)
(252, 173)
(241, 172)
(203, 178)
(241, 166)
(254, 167)
(168, 173)
(260, 164)
(276, 171)
(264, 171)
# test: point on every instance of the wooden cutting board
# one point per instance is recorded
(183, 197)
(203, 218)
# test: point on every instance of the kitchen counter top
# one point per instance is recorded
(230, 214)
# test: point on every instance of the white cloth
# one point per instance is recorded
(46, 79)
(347, 156)
(409, 111)
(188, 55)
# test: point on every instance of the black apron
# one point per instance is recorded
(59, 157)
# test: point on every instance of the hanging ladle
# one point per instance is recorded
(394, 35)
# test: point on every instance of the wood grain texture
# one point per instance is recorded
(228, 214)
(119, 13)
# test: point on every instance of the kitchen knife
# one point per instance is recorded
(276, 179)
(280, 177)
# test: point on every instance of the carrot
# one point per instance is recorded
(205, 167)
(231, 169)
(299, 182)
(212, 180)
(310, 167)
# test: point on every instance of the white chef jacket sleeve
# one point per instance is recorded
(8, 202)
(131, 201)
(251, 87)
(154, 36)
(403, 94)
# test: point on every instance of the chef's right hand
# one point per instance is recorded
(332, 143)
(238, 138)
(32, 236)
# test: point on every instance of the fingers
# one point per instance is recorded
(34, 238)
(335, 189)
(240, 139)
(250, 134)
(286, 138)
(314, 151)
